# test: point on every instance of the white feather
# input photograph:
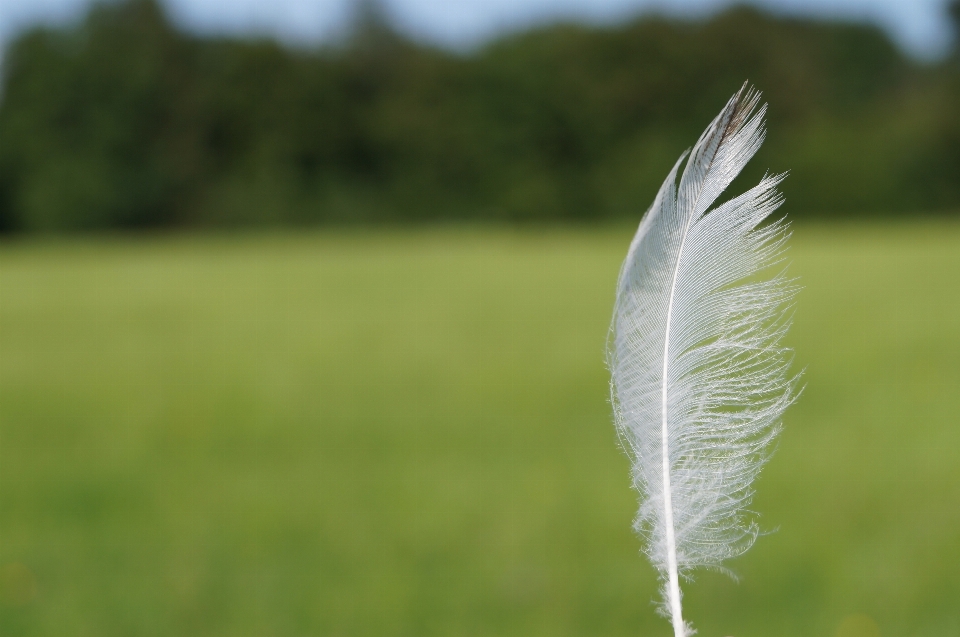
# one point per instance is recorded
(699, 377)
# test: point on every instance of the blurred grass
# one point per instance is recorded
(407, 433)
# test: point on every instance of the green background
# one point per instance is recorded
(408, 433)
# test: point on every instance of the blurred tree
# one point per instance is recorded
(122, 121)
(371, 28)
(83, 121)
(953, 9)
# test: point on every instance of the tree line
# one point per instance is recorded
(124, 121)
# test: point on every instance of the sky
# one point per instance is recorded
(919, 26)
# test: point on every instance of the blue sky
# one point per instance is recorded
(920, 26)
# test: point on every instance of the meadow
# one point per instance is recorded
(408, 433)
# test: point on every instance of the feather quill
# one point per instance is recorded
(699, 378)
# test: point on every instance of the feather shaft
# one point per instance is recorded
(673, 572)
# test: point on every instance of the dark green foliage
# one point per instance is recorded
(123, 121)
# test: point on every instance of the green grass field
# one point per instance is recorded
(407, 433)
